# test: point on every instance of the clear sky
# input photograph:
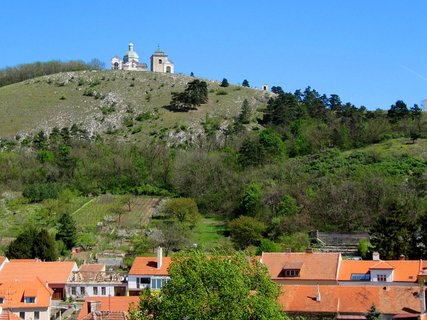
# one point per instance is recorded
(369, 52)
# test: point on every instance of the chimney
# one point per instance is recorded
(376, 256)
(402, 257)
(288, 250)
(93, 306)
(309, 250)
(159, 258)
(318, 294)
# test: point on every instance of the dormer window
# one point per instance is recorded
(292, 273)
(291, 269)
(1, 300)
(29, 299)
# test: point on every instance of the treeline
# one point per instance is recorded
(10, 75)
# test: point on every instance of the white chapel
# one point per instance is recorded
(159, 62)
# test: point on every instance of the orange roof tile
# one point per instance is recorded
(13, 293)
(350, 299)
(9, 315)
(404, 270)
(114, 304)
(314, 266)
(381, 265)
(148, 266)
(52, 272)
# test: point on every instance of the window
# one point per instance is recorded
(103, 291)
(95, 291)
(29, 299)
(360, 277)
(291, 273)
(82, 290)
(1, 300)
(36, 315)
(157, 283)
(116, 65)
(73, 291)
(168, 69)
(160, 61)
(22, 315)
(381, 278)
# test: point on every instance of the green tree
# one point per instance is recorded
(215, 287)
(391, 235)
(245, 113)
(373, 313)
(193, 96)
(32, 243)
(398, 111)
(67, 231)
(246, 231)
(251, 199)
(267, 245)
(245, 83)
(224, 83)
(181, 209)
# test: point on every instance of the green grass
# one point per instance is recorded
(209, 233)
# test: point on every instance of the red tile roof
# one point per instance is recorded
(52, 272)
(404, 270)
(350, 299)
(13, 293)
(113, 304)
(148, 266)
(314, 266)
(9, 315)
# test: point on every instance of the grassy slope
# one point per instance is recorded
(58, 100)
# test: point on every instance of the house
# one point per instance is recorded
(28, 299)
(107, 308)
(302, 268)
(148, 272)
(350, 302)
(92, 280)
(56, 274)
(378, 272)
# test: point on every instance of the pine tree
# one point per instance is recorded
(224, 83)
(245, 83)
(245, 114)
(67, 231)
(373, 314)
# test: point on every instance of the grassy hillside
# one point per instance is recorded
(123, 103)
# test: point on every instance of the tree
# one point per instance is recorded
(96, 64)
(251, 199)
(214, 287)
(245, 113)
(67, 231)
(224, 83)
(246, 231)
(192, 74)
(397, 111)
(32, 243)
(277, 90)
(245, 83)
(193, 96)
(373, 313)
(181, 209)
(391, 235)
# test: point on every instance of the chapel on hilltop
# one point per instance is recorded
(159, 62)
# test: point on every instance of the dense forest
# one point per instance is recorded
(312, 164)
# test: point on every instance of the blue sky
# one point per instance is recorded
(368, 52)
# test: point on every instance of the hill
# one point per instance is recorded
(123, 103)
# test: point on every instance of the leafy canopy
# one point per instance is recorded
(214, 287)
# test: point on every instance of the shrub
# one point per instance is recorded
(38, 192)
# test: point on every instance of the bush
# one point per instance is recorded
(221, 93)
